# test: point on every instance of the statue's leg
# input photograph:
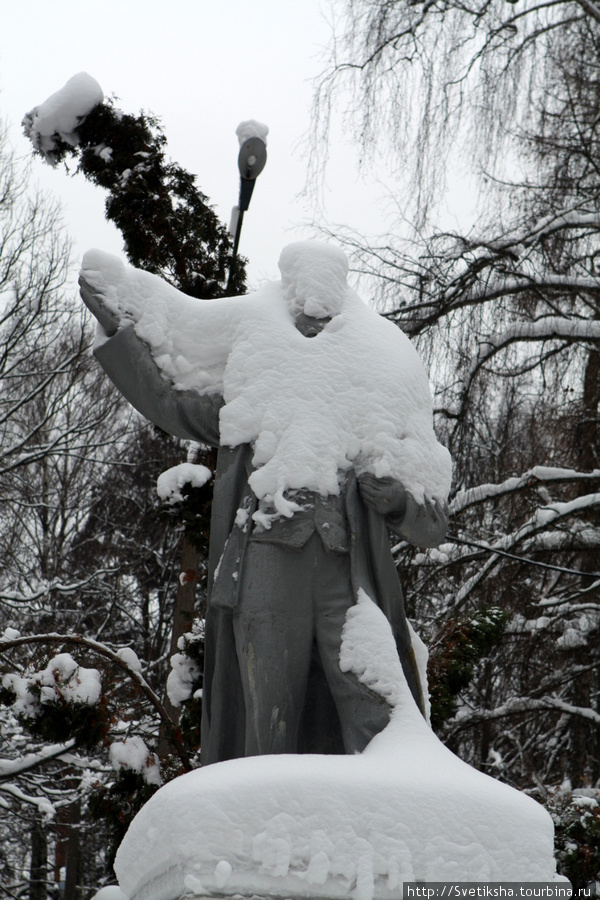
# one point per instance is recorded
(273, 629)
(362, 712)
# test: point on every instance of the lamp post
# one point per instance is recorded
(251, 161)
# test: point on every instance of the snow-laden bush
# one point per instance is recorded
(59, 702)
(576, 816)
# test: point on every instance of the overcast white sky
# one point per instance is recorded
(202, 66)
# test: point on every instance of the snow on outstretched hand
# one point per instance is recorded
(355, 396)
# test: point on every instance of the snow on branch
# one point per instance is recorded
(548, 514)
(133, 754)
(539, 521)
(9, 768)
(579, 536)
(565, 707)
(41, 803)
(171, 482)
(548, 328)
(456, 297)
(467, 288)
(55, 585)
(592, 9)
(558, 221)
(56, 119)
(120, 660)
(514, 244)
(484, 492)
(517, 705)
(26, 451)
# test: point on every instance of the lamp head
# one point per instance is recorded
(252, 157)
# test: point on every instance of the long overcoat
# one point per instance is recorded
(189, 415)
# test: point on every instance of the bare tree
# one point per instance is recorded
(508, 317)
(78, 552)
(422, 83)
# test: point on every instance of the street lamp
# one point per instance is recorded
(251, 161)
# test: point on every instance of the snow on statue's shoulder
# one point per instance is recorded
(355, 396)
(190, 339)
(61, 113)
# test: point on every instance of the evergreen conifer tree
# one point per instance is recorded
(168, 227)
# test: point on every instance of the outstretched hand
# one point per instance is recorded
(95, 303)
(385, 495)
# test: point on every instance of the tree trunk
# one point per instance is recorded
(183, 616)
(582, 733)
(73, 853)
(184, 609)
(588, 429)
(38, 870)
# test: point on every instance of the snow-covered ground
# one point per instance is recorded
(355, 827)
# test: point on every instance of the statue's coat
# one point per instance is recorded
(189, 415)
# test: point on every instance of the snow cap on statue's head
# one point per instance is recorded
(313, 278)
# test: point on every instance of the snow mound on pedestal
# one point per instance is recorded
(406, 809)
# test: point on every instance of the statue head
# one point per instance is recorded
(313, 278)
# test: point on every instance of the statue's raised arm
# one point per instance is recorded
(141, 342)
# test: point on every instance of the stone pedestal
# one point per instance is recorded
(338, 827)
(335, 827)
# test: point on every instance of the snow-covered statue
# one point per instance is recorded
(321, 412)
(322, 415)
